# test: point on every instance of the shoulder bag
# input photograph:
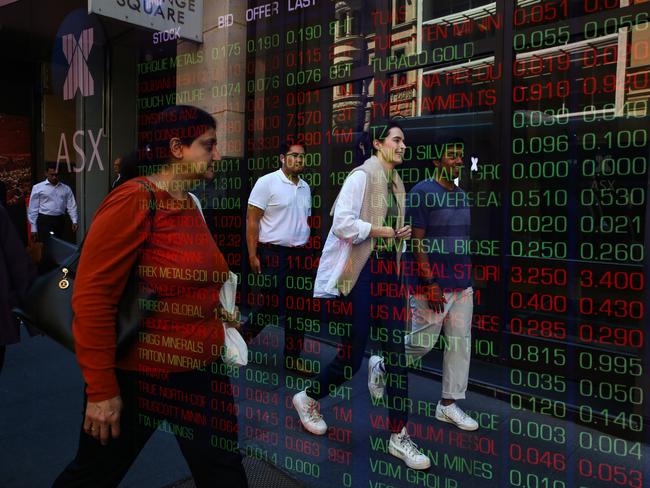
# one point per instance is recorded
(48, 303)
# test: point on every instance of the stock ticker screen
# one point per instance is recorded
(550, 100)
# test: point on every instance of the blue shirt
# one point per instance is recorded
(49, 199)
(445, 217)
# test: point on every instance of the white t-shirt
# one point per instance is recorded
(286, 208)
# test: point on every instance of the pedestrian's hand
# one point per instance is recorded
(256, 267)
(102, 420)
(436, 298)
(385, 232)
(34, 236)
(75, 227)
(404, 232)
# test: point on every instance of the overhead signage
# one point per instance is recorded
(78, 56)
(184, 16)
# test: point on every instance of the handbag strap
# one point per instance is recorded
(152, 208)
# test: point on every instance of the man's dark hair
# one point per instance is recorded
(443, 138)
(284, 147)
(129, 167)
(51, 165)
(379, 130)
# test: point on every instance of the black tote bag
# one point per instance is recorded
(48, 303)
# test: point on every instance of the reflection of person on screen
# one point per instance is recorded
(170, 378)
(49, 201)
(368, 223)
(277, 230)
(441, 289)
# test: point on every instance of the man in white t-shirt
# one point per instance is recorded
(277, 231)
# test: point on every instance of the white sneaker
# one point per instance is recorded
(453, 414)
(376, 376)
(308, 410)
(403, 447)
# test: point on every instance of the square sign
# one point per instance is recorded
(184, 16)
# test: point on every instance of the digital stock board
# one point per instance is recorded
(548, 101)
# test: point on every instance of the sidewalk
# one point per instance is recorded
(40, 412)
(40, 415)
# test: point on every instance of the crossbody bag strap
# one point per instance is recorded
(152, 213)
(152, 208)
(197, 202)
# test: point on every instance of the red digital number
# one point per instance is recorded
(302, 303)
(339, 456)
(592, 57)
(262, 396)
(262, 435)
(229, 221)
(618, 280)
(261, 415)
(313, 138)
(614, 336)
(538, 65)
(592, 85)
(314, 221)
(303, 446)
(263, 299)
(540, 12)
(303, 57)
(623, 309)
(541, 91)
(592, 6)
(301, 119)
(314, 242)
(302, 97)
(538, 276)
(543, 302)
(265, 143)
(619, 475)
(309, 263)
(338, 307)
(308, 346)
(534, 456)
(225, 240)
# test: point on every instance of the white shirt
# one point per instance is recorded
(347, 229)
(49, 199)
(286, 207)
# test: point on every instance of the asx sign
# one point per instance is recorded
(77, 140)
(76, 52)
(78, 56)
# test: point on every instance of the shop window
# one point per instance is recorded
(400, 11)
(399, 79)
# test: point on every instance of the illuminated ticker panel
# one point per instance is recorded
(576, 289)
(550, 99)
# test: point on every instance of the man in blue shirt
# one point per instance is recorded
(439, 277)
(48, 204)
